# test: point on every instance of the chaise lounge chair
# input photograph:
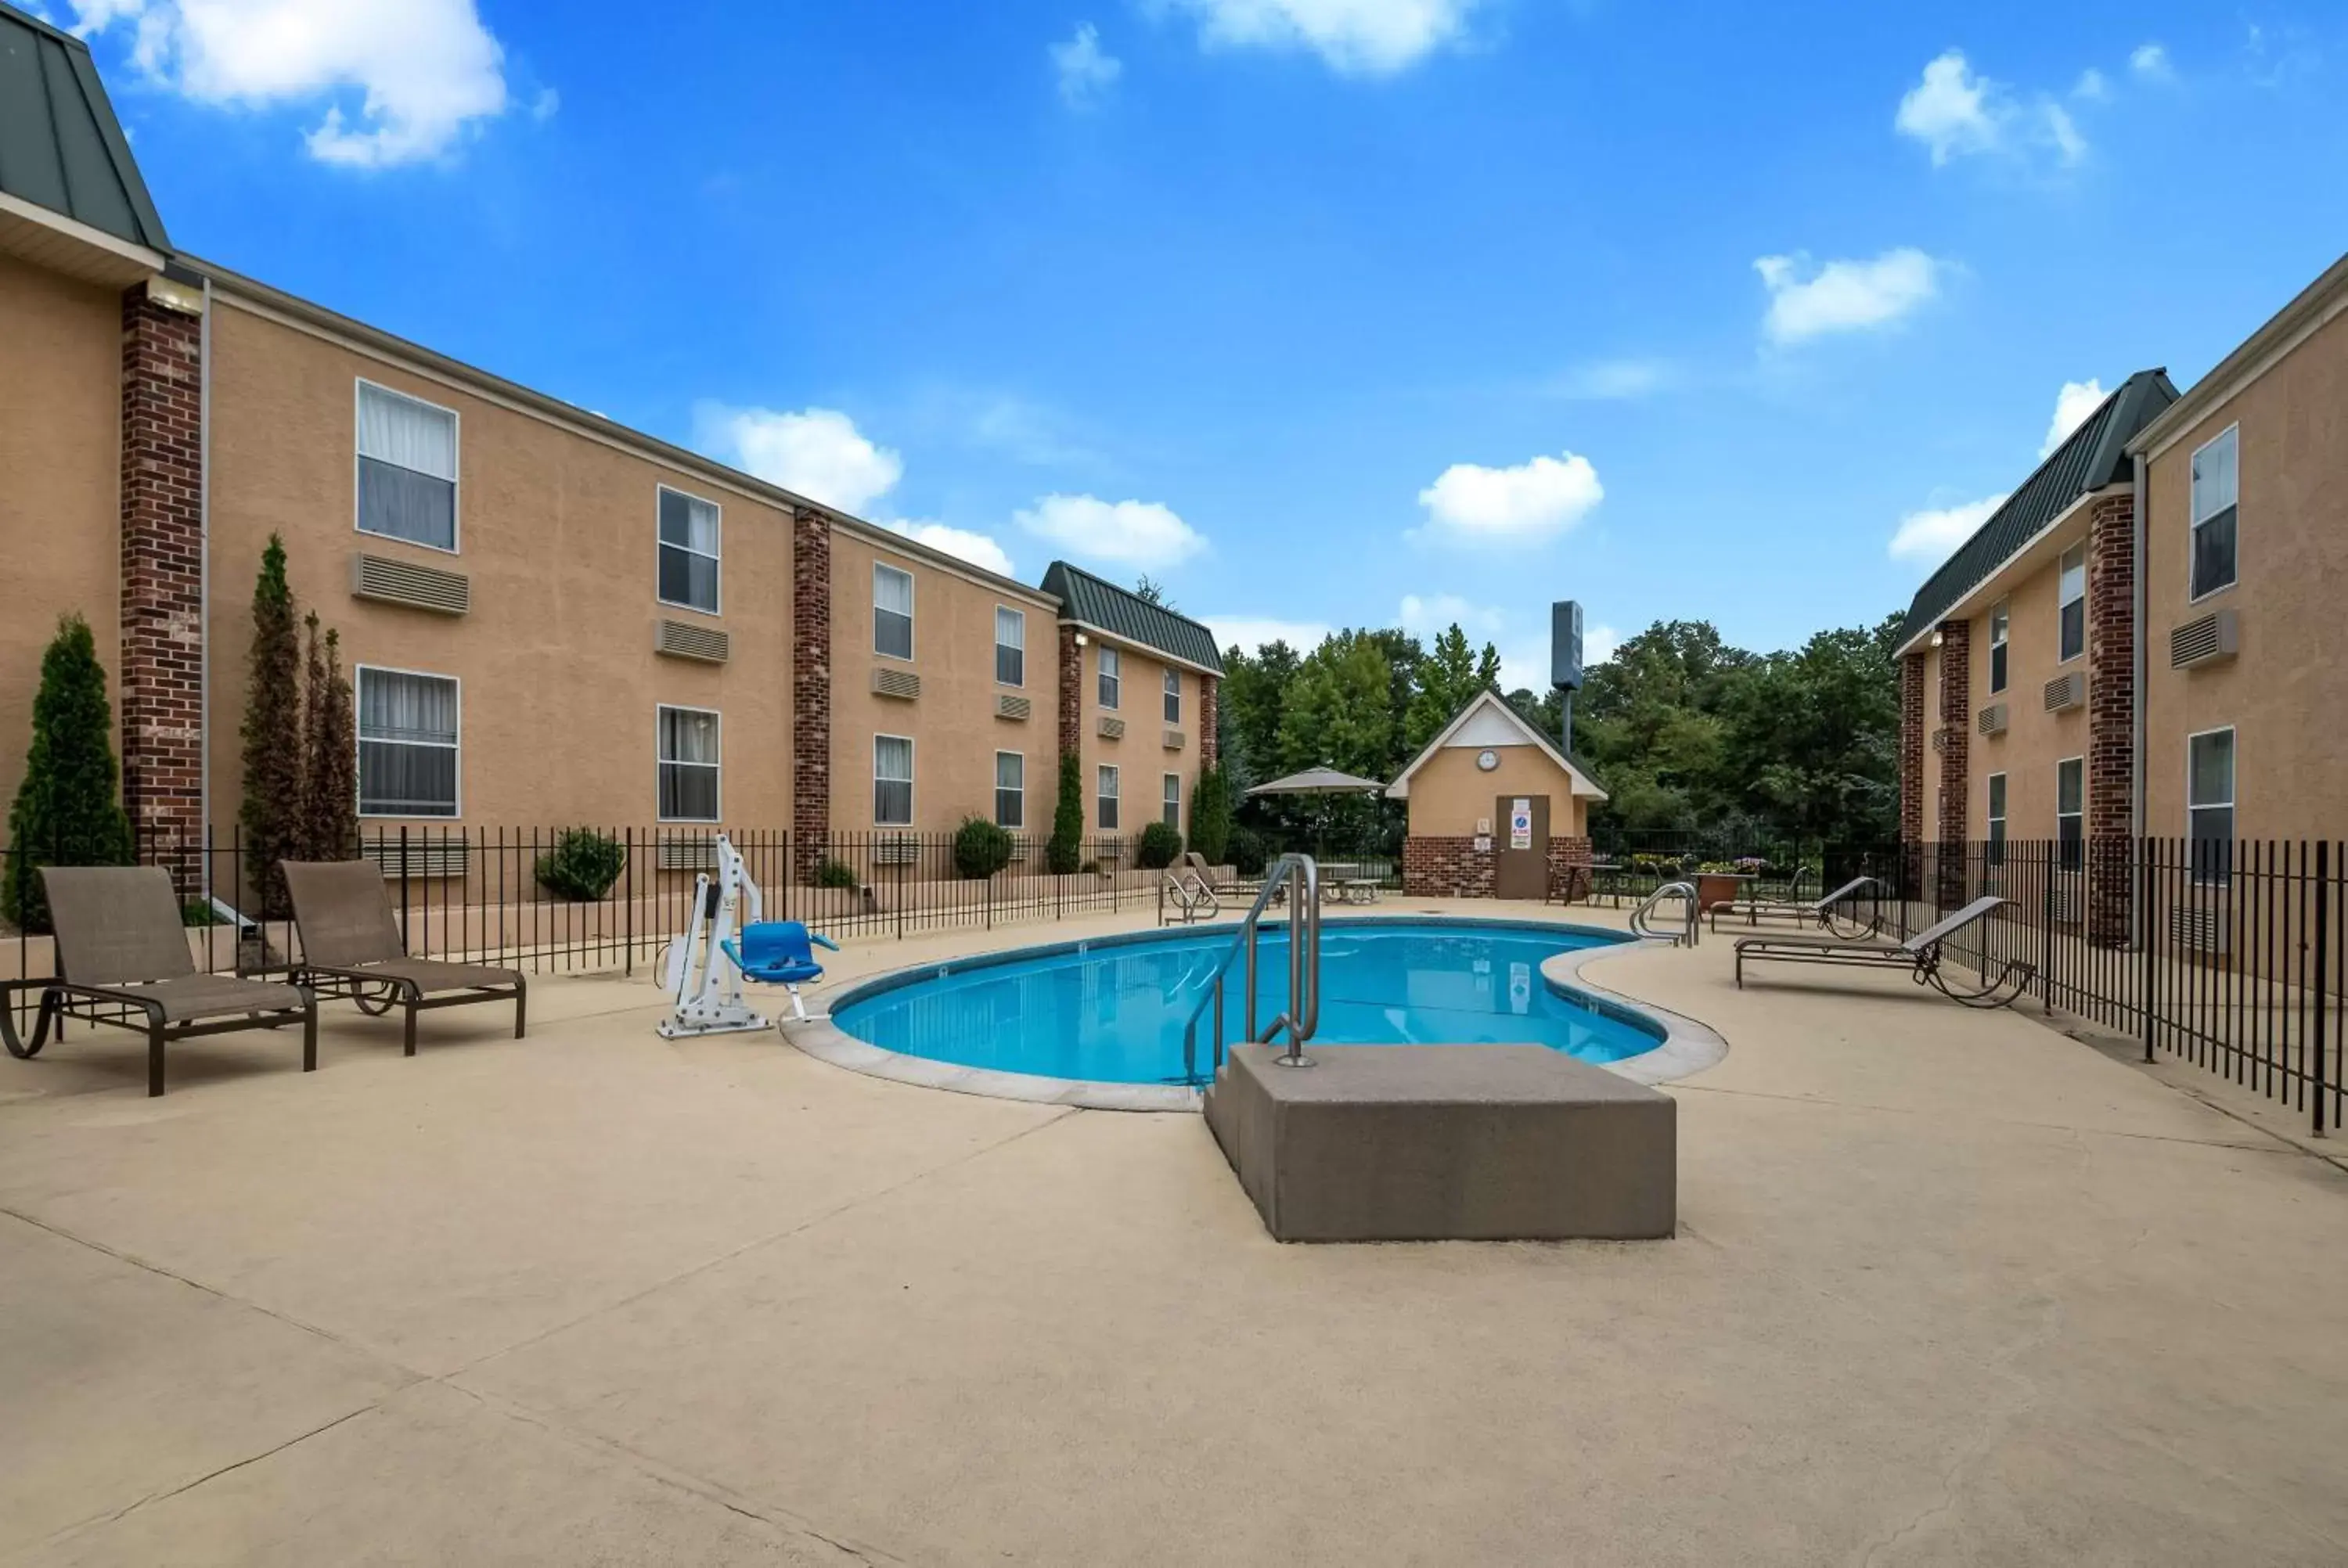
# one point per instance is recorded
(351, 949)
(1919, 957)
(1801, 912)
(122, 959)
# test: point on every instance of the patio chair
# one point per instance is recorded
(1218, 881)
(351, 949)
(1920, 956)
(1798, 911)
(122, 959)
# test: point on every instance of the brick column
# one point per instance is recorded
(162, 684)
(1072, 694)
(2111, 715)
(1956, 736)
(1911, 749)
(1210, 718)
(810, 688)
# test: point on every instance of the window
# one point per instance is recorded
(1010, 789)
(1997, 819)
(893, 780)
(2070, 810)
(2217, 479)
(1173, 696)
(1108, 812)
(688, 551)
(407, 468)
(892, 612)
(1997, 629)
(2209, 804)
(2071, 594)
(1111, 667)
(1010, 647)
(407, 744)
(688, 765)
(1173, 812)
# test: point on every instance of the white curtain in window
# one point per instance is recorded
(394, 707)
(892, 759)
(1011, 629)
(688, 523)
(892, 591)
(687, 735)
(407, 434)
(2216, 476)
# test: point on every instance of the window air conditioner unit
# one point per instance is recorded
(2199, 930)
(2067, 692)
(1992, 719)
(2211, 639)
(900, 683)
(1016, 708)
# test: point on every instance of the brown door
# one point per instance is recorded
(1520, 846)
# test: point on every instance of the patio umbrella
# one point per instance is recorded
(1320, 781)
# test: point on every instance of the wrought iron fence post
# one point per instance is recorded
(2046, 937)
(2322, 953)
(629, 916)
(402, 887)
(900, 859)
(2145, 926)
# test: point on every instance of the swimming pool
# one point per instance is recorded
(1113, 1011)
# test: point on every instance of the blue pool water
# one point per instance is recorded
(1113, 1011)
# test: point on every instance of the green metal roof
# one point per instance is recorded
(2094, 455)
(60, 146)
(1129, 618)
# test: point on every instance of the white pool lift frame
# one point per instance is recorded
(702, 976)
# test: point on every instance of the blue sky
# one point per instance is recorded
(1322, 312)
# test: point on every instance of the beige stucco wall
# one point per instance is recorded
(557, 532)
(2286, 694)
(1140, 755)
(60, 486)
(1450, 793)
(2034, 739)
(952, 723)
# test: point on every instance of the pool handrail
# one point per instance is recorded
(1192, 900)
(1298, 876)
(1642, 919)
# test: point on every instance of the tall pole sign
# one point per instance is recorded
(1565, 660)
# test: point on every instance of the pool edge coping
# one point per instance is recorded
(1685, 1046)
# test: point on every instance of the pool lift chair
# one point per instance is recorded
(704, 967)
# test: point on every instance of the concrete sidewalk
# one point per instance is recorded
(1948, 1287)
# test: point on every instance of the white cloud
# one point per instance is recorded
(1429, 617)
(1532, 501)
(2077, 400)
(2092, 86)
(1615, 380)
(1844, 296)
(1956, 113)
(1254, 631)
(818, 452)
(2150, 61)
(1086, 74)
(960, 543)
(423, 70)
(1357, 37)
(1139, 533)
(546, 105)
(1929, 536)
(1597, 644)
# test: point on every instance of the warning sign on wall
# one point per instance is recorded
(1520, 824)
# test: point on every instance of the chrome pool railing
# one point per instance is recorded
(1298, 878)
(1642, 919)
(1190, 898)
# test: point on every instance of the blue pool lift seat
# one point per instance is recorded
(780, 953)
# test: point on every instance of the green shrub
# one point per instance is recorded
(837, 874)
(1210, 816)
(1246, 852)
(67, 810)
(1067, 846)
(1161, 846)
(583, 866)
(981, 848)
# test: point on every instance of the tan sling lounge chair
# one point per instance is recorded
(1821, 913)
(1919, 956)
(122, 959)
(351, 949)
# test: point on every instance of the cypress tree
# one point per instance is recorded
(1211, 815)
(1065, 851)
(68, 810)
(313, 831)
(271, 810)
(335, 763)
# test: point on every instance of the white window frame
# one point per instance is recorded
(660, 762)
(1170, 806)
(912, 772)
(660, 544)
(1000, 611)
(1021, 825)
(2062, 604)
(1993, 814)
(2001, 636)
(1108, 789)
(1173, 695)
(358, 753)
(2060, 814)
(1108, 684)
(455, 544)
(2232, 805)
(912, 616)
(2193, 524)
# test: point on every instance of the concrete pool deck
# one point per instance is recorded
(1947, 1286)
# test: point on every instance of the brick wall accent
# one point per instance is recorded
(1209, 717)
(162, 690)
(811, 687)
(1911, 749)
(1072, 694)
(1446, 868)
(2111, 714)
(1563, 855)
(1957, 731)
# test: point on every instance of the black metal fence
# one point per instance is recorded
(1628, 866)
(2230, 954)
